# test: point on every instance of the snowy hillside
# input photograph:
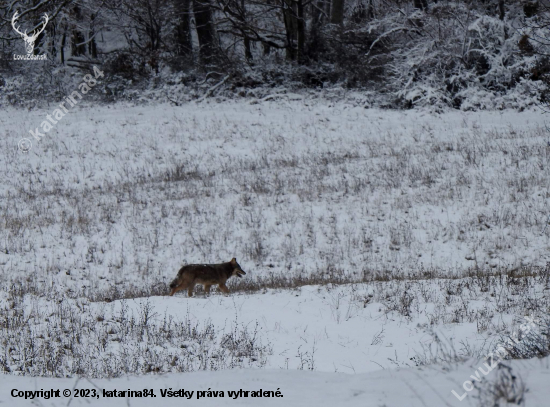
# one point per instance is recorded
(283, 187)
(387, 253)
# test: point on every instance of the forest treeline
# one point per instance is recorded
(463, 54)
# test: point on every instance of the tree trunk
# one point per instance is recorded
(77, 46)
(63, 43)
(300, 30)
(53, 35)
(337, 15)
(290, 28)
(183, 28)
(92, 46)
(205, 30)
(77, 37)
(247, 49)
(315, 44)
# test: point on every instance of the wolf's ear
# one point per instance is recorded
(233, 261)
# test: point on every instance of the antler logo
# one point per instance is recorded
(29, 39)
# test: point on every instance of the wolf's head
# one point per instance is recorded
(237, 270)
(177, 281)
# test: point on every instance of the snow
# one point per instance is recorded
(402, 387)
(323, 351)
(416, 182)
(121, 196)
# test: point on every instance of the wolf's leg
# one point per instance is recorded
(182, 283)
(207, 288)
(223, 288)
(190, 289)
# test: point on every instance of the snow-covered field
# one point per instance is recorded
(386, 252)
(412, 387)
(283, 187)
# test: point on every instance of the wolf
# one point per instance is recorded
(207, 275)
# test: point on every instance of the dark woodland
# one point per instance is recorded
(476, 54)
